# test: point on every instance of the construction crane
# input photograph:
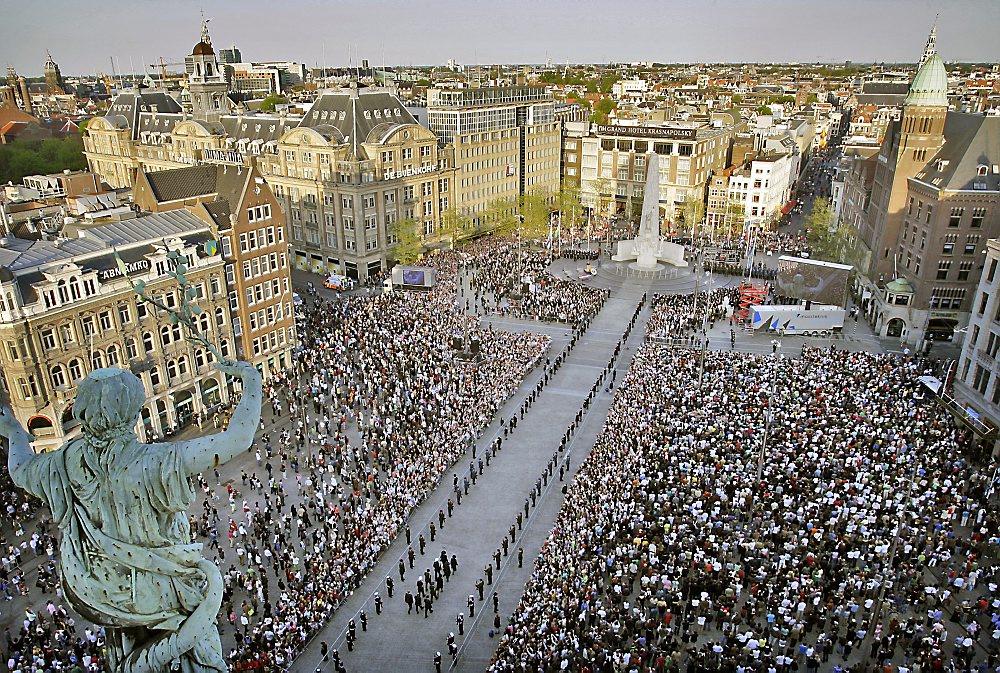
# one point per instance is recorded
(162, 65)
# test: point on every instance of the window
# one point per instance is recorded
(956, 217)
(75, 371)
(141, 310)
(147, 341)
(346, 203)
(983, 302)
(124, 314)
(348, 223)
(154, 376)
(978, 215)
(220, 317)
(58, 375)
(369, 201)
(97, 360)
(216, 286)
(49, 336)
(970, 249)
(105, 320)
(992, 271)
(948, 249)
(68, 333)
(943, 266)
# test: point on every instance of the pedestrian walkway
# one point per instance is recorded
(397, 640)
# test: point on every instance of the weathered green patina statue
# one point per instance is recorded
(125, 556)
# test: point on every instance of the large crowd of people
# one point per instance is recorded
(785, 513)
(375, 412)
(513, 281)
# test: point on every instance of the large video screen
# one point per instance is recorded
(413, 277)
(821, 282)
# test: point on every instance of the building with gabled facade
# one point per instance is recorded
(250, 231)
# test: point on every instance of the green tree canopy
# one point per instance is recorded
(272, 100)
(34, 157)
(408, 247)
(534, 211)
(832, 241)
(601, 110)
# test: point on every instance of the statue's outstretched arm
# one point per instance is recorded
(19, 451)
(205, 452)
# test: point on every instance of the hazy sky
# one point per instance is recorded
(82, 36)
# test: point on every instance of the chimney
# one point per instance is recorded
(25, 94)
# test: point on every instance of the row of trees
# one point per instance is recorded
(40, 157)
(529, 217)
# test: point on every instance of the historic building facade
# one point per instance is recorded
(250, 233)
(612, 161)
(934, 201)
(67, 310)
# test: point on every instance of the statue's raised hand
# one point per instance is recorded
(237, 368)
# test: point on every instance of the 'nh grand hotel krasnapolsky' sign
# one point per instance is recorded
(647, 132)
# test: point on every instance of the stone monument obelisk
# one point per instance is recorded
(126, 558)
(648, 249)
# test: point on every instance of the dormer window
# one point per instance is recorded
(982, 170)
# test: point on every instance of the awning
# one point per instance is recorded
(788, 207)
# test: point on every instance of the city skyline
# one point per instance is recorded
(400, 34)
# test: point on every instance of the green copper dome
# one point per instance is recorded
(930, 86)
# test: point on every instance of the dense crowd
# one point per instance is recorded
(680, 316)
(513, 281)
(817, 512)
(375, 412)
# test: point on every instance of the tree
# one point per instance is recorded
(41, 157)
(408, 247)
(601, 110)
(602, 189)
(534, 212)
(763, 110)
(272, 100)
(830, 241)
(693, 212)
(453, 224)
(501, 216)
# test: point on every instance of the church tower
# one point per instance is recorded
(925, 109)
(931, 48)
(207, 85)
(53, 78)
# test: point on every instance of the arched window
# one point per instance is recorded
(75, 371)
(982, 170)
(58, 375)
(147, 342)
(208, 69)
(224, 348)
(171, 370)
(131, 350)
(97, 361)
(113, 356)
(182, 366)
(165, 335)
(220, 317)
(154, 376)
(199, 359)
(204, 323)
(63, 292)
(176, 332)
